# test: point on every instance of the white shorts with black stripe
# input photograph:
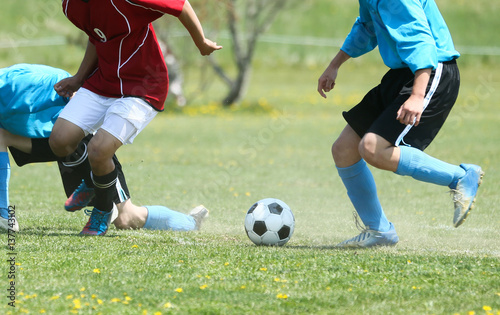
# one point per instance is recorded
(377, 112)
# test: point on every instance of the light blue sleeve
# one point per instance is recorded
(362, 38)
(407, 24)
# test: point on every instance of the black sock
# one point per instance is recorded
(77, 164)
(105, 190)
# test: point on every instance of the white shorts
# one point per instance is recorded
(124, 118)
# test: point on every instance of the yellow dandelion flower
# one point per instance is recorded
(226, 264)
(203, 287)
(77, 304)
(248, 194)
(179, 290)
(263, 269)
(93, 296)
(82, 295)
(96, 270)
(135, 246)
(42, 311)
(145, 312)
(243, 287)
(167, 305)
(125, 302)
(73, 312)
(181, 261)
(282, 296)
(128, 298)
(114, 300)
(99, 301)
(55, 297)
(69, 297)
(207, 276)
(328, 288)
(157, 313)
(471, 313)
(487, 308)
(82, 289)
(18, 264)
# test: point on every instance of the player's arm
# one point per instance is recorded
(191, 22)
(68, 86)
(326, 81)
(411, 111)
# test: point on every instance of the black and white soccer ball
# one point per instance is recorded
(269, 222)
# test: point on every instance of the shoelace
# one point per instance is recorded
(359, 225)
(458, 196)
(81, 187)
(96, 220)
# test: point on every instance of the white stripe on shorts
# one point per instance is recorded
(427, 99)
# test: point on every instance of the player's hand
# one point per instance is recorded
(208, 47)
(411, 111)
(326, 81)
(68, 86)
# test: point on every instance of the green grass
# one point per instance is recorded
(276, 146)
(276, 143)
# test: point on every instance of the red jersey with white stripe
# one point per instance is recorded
(130, 60)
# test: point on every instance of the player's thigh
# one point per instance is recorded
(127, 117)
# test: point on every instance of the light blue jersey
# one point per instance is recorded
(409, 33)
(29, 106)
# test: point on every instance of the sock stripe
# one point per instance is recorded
(103, 185)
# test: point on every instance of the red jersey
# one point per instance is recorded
(130, 62)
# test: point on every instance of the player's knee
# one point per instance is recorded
(61, 144)
(368, 150)
(342, 151)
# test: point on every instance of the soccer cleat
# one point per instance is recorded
(99, 222)
(465, 193)
(80, 198)
(371, 238)
(199, 214)
(9, 224)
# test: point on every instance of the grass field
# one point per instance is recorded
(276, 143)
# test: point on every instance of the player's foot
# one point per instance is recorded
(371, 238)
(6, 224)
(199, 214)
(99, 222)
(465, 193)
(80, 198)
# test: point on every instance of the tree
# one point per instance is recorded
(246, 21)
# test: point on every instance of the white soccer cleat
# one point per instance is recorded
(199, 214)
(6, 224)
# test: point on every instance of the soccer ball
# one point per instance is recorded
(269, 222)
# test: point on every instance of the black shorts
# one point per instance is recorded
(377, 111)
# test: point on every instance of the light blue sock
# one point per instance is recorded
(423, 167)
(4, 184)
(361, 189)
(162, 218)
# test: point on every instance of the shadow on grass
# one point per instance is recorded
(49, 231)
